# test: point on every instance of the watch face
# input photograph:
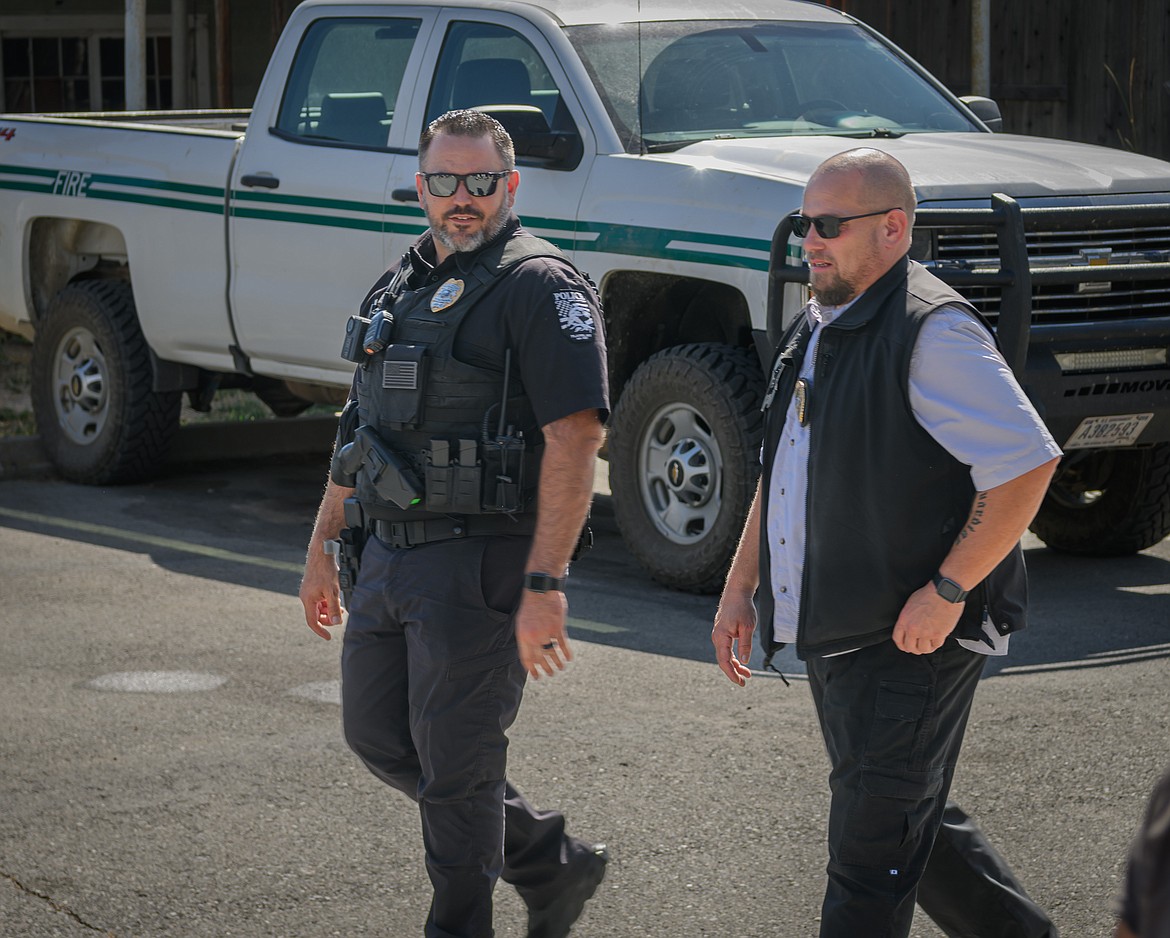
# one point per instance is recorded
(949, 590)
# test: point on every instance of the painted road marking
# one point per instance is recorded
(327, 692)
(156, 682)
(151, 540)
(587, 625)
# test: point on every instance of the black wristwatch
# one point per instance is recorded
(543, 582)
(949, 590)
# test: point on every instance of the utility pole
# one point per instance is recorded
(179, 54)
(981, 47)
(223, 54)
(135, 45)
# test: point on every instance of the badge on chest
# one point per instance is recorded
(446, 295)
(801, 395)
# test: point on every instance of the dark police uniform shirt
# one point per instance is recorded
(552, 322)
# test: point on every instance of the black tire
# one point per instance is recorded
(1107, 502)
(684, 460)
(98, 419)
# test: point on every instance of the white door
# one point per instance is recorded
(309, 221)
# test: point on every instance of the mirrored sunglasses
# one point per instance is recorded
(479, 185)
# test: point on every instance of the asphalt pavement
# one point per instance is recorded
(171, 762)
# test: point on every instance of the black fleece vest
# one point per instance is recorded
(885, 501)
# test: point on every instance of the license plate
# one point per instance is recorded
(1114, 430)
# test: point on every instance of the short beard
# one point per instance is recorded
(467, 243)
(836, 292)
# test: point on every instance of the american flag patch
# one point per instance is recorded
(400, 376)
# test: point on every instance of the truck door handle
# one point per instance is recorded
(404, 195)
(264, 182)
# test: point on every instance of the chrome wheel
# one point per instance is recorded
(684, 446)
(80, 386)
(679, 467)
(99, 417)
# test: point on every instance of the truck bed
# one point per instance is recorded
(75, 189)
(233, 120)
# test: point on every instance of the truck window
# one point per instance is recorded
(669, 84)
(496, 70)
(344, 81)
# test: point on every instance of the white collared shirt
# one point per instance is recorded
(962, 393)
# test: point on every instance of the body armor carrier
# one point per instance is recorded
(433, 436)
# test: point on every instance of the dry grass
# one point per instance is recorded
(16, 417)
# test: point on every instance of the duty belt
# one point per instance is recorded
(413, 533)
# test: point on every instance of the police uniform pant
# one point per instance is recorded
(431, 682)
(893, 725)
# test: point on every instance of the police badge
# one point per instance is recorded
(446, 295)
(801, 394)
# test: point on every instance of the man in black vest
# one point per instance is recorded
(902, 463)
(464, 462)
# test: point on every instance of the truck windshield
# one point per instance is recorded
(673, 83)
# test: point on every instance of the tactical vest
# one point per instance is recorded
(467, 432)
(879, 531)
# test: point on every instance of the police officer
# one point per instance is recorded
(468, 445)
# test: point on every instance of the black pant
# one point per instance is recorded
(971, 892)
(430, 684)
(893, 725)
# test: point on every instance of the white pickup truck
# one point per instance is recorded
(660, 144)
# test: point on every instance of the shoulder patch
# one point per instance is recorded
(575, 315)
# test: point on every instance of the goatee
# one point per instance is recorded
(471, 242)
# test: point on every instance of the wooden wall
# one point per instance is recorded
(1050, 62)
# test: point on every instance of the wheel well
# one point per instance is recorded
(61, 250)
(647, 312)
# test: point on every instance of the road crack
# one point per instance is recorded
(56, 906)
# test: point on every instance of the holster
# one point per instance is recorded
(352, 541)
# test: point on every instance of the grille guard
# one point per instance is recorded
(1058, 398)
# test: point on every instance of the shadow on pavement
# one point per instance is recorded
(248, 522)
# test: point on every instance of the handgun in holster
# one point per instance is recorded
(351, 542)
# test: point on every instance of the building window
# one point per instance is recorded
(46, 74)
(158, 73)
(67, 63)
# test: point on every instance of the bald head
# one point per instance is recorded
(885, 179)
(871, 191)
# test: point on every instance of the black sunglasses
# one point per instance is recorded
(828, 226)
(479, 185)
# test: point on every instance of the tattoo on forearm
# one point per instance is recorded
(976, 517)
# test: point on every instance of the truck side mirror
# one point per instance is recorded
(986, 110)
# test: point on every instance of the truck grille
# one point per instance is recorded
(967, 249)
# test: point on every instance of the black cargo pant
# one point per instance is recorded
(430, 683)
(893, 725)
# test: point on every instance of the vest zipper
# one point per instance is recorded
(819, 339)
